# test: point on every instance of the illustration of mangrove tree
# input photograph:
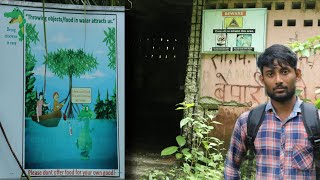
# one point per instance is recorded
(70, 63)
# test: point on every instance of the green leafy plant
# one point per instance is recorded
(110, 40)
(202, 158)
(30, 93)
(306, 48)
(106, 109)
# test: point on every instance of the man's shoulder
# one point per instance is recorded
(243, 118)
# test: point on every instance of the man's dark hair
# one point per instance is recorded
(280, 53)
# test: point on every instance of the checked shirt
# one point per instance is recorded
(283, 150)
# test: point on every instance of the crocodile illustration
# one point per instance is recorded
(86, 113)
(17, 17)
(84, 140)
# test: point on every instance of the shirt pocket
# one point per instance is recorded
(302, 157)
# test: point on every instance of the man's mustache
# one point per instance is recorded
(280, 86)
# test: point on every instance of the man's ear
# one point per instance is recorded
(298, 74)
(261, 79)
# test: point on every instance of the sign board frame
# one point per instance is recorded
(13, 79)
(234, 31)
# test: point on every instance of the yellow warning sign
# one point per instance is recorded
(233, 22)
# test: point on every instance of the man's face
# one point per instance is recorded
(280, 82)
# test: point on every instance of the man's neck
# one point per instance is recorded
(284, 109)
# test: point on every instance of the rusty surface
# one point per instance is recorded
(227, 115)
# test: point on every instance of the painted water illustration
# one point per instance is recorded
(73, 144)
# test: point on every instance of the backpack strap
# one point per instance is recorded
(310, 118)
(255, 118)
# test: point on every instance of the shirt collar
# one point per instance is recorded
(296, 107)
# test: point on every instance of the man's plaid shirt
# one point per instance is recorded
(283, 150)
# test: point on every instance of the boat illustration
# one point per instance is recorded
(48, 120)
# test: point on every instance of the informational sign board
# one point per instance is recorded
(62, 77)
(234, 31)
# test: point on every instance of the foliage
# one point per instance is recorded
(30, 93)
(248, 167)
(69, 62)
(306, 48)
(110, 40)
(200, 160)
(106, 109)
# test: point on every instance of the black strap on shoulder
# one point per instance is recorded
(310, 118)
(255, 118)
(254, 122)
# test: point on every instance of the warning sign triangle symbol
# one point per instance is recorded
(233, 23)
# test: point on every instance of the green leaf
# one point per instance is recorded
(305, 53)
(189, 105)
(185, 150)
(179, 155)
(181, 140)
(180, 108)
(298, 92)
(210, 116)
(316, 46)
(295, 49)
(317, 103)
(301, 47)
(185, 121)
(199, 135)
(206, 145)
(169, 150)
(217, 157)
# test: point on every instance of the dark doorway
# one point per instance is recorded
(157, 33)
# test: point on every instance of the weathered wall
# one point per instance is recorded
(232, 80)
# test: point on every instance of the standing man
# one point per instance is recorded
(282, 147)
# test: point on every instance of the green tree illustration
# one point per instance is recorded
(106, 109)
(100, 108)
(30, 94)
(110, 40)
(70, 63)
(113, 104)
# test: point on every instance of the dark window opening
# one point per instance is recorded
(308, 23)
(296, 5)
(238, 5)
(291, 22)
(251, 5)
(277, 22)
(223, 6)
(318, 22)
(310, 5)
(267, 5)
(279, 5)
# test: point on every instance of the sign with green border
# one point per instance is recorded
(234, 31)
